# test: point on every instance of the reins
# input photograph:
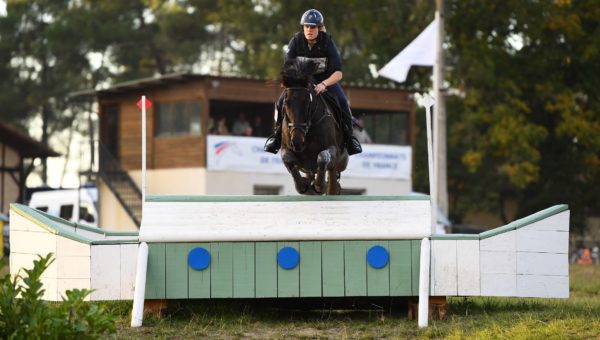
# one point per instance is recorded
(310, 110)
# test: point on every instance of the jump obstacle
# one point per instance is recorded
(526, 258)
(216, 247)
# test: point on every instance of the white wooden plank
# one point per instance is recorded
(20, 261)
(122, 238)
(89, 234)
(261, 221)
(543, 264)
(73, 267)
(543, 286)
(21, 223)
(69, 284)
(29, 242)
(443, 267)
(501, 242)
(467, 255)
(106, 271)
(498, 262)
(498, 284)
(542, 241)
(50, 289)
(558, 222)
(67, 247)
(128, 270)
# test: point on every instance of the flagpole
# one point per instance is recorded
(143, 152)
(439, 126)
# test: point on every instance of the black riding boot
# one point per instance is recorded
(352, 144)
(273, 143)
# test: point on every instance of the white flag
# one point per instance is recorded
(420, 51)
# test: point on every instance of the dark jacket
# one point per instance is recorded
(324, 53)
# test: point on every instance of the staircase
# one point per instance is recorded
(121, 185)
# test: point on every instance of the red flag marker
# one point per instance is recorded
(148, 104)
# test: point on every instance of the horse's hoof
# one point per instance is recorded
(303, 186)
(303, 190)
(318, 190)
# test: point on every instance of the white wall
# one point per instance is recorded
(10, 189)
(181, 181)
(199, 181)
(112, 215)
(242, 183)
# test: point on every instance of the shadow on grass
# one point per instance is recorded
(306, 309)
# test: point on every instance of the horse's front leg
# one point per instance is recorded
(291, 163)
(325, 163)
(333, 183)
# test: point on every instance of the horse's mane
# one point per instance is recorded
(296, 73)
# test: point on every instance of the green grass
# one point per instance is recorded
(475, 317)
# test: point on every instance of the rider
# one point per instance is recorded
(316, 45)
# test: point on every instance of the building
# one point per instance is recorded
(185, 156)
(18, 152)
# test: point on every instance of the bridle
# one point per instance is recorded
(303, 127)
(310, 109)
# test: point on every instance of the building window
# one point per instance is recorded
(178, 119)
(267, 190)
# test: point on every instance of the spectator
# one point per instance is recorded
(258, 128)
(596, 255)
(360, 132)
(242, 127)
(221, 127)
(586, 258)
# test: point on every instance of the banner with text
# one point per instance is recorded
(246, 154)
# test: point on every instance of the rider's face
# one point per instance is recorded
(311, 32)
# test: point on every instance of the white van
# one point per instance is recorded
(62, 203)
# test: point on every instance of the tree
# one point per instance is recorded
(530, 117)
(43, 52)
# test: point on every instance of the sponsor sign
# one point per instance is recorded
(245, 154)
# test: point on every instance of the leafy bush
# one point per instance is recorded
(24, 315)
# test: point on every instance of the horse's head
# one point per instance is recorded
(300, 99)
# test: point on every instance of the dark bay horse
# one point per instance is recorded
(311, 145)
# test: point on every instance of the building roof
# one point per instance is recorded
(25, 145)
(173, 78)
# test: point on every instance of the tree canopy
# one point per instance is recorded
(528, 126)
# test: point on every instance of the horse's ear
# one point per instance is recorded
(289, 66)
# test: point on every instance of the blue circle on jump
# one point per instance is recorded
(199, 258)
(378, 257)
(288, 258)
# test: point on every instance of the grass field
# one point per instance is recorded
(483, 318)
(497, 318)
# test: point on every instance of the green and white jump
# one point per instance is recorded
(333, 235)
(244, 234)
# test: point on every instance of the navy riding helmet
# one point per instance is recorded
(312, 17)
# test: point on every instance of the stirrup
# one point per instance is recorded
(353, 146)
(272, 145)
